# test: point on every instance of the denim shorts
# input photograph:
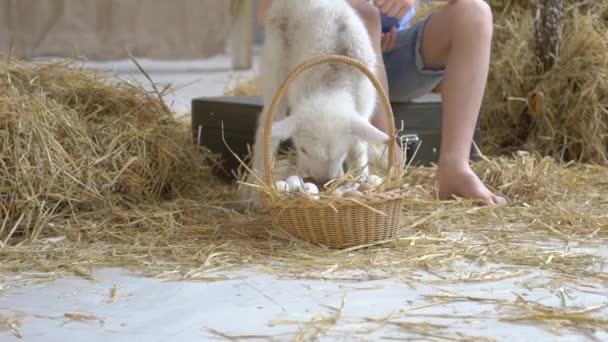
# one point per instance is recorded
(407, 77)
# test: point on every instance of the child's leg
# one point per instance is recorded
(455, 46)
(458, 39)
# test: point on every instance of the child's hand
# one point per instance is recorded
(388, 40)
(394, 8)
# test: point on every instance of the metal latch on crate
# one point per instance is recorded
(411, 142)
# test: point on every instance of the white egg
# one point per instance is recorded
(374, 180)
(294, 183)
(281, 186)
(311, 188)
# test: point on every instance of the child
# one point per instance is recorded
(453, 45)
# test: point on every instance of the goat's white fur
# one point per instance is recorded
(330, 105)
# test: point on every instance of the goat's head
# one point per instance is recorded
(322, 142)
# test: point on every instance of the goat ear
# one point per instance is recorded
(284, 129)
(366, 131)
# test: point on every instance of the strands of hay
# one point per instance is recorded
(113, 295)
(564, 112)
(425, 8)
(520, 310)
(317, 326)
(185, 239)
(413, 321)
(500, 7)
(74, 143)
(11, 324)
(80, 317)
(85, 184)
(249, 87)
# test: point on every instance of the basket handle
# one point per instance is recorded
(392, 157)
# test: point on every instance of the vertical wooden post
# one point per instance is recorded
(548, 25)
(241, 40)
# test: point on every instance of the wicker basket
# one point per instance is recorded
(334, 222)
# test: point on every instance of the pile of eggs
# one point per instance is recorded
(296, 185)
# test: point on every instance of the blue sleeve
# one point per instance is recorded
(388, 22)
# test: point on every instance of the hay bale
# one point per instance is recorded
(563, 112)
(245, 87)
(74, 141)
(424, 9)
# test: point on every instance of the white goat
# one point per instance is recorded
(328, 108)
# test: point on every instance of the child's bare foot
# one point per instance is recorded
(463, 182)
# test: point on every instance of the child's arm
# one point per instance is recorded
(262, 9)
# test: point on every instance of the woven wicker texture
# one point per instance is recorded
(335, 223)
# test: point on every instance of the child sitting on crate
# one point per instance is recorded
(451, 45)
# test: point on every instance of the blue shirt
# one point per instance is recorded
(401, 24)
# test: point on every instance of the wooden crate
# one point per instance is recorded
(420, 119)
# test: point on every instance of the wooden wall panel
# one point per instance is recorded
(103, 29)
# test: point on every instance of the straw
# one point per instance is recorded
(563, 112)
(96, 173)
(11, 324)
